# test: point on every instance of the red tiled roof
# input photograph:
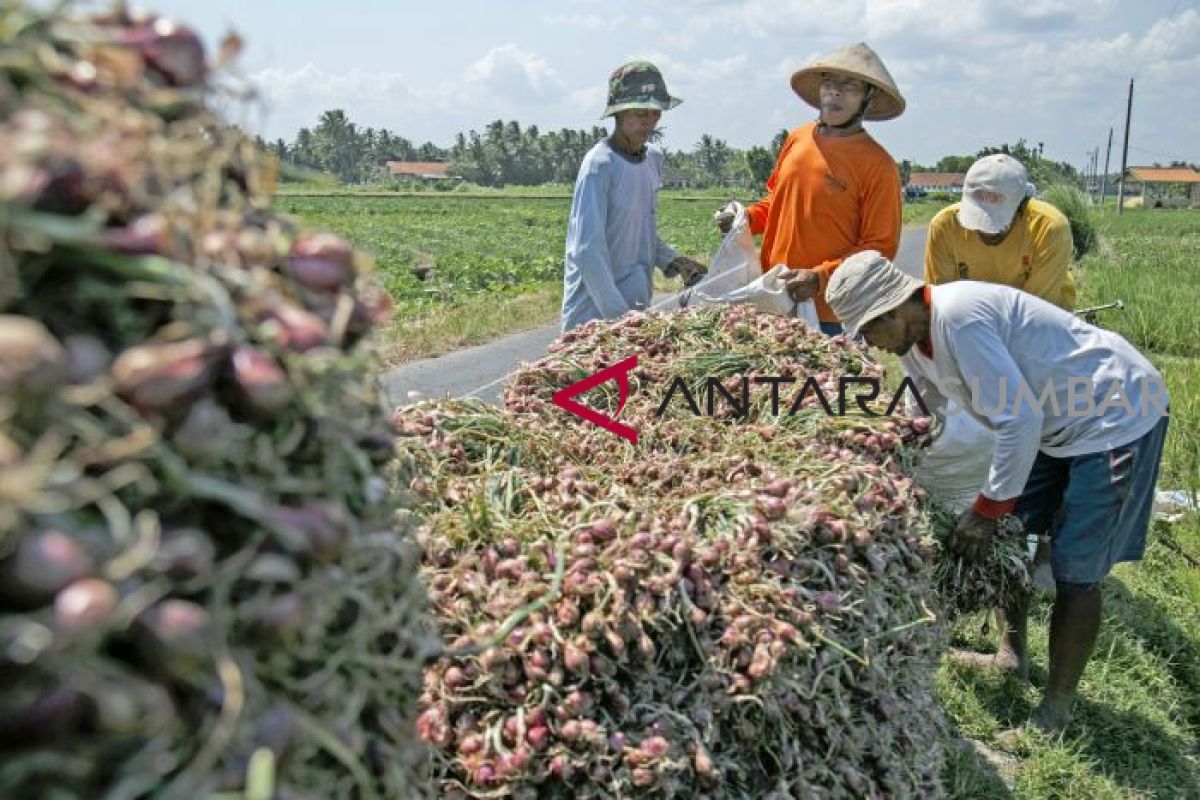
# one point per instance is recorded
(937, 179)
(424, 169)
(1164, 174)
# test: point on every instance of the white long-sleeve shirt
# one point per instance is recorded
(612, 236)
(1041, 378)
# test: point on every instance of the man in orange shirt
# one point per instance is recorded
(834, 190)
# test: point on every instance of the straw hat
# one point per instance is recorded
(866, 286)
(853, 61)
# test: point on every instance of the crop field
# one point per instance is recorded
(1148, 259)
(438, 251)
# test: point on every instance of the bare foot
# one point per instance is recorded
(1049, 719)
(1005, 660)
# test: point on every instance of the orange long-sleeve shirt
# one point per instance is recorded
(828, 198)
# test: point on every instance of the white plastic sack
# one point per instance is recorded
(768, 294)
(955, 465)
(734, 276)
(1172, 506)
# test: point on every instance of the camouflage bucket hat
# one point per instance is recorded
(638, 84)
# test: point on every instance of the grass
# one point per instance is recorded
(465, 270)
(920, 212)
(1181, 462)
(1077, 207)
(1137, 729)
(1149, 259)
(476, 320)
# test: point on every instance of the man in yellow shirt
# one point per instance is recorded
(999, 234)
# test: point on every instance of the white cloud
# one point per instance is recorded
(975, 72)
(587, 22)
(291, 99)
(310, 81)
(589, 100)
(692, 29)
(506, 80)
(916, 21)
(1166, 57)
(770, 18)
(1173, 38)
(720, 69)
(507, 72)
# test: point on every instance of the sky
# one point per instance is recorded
(974, 72)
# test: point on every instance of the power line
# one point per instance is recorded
(1172, 156)
(1174, 35)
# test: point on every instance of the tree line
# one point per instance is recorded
(506, 153)
(1042, 171)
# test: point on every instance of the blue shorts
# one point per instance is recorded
(1095, 507)
(831, 328)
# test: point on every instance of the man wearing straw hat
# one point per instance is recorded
(612, 237)
(834, 190)
(1080, 417)
(1000, 234)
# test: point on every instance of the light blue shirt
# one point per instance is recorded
(612, 236)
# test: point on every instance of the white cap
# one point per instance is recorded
(995, 185)
(865, 286)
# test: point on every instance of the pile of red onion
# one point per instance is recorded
(734, 607)
(203, 583)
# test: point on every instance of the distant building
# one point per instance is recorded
(672, 178)
(1163, 186)
(426, 170)
(937, 181)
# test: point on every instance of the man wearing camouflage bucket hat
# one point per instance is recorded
(612, 235)
(834, 190)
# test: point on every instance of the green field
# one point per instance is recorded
(475, 243)
(465, 269)
(1149, 260)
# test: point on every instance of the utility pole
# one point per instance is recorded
(1125, 152)
(1104, 178)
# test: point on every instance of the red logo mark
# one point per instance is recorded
(620, 372)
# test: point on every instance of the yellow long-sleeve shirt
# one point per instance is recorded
(1035, 256)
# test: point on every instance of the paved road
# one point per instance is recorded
(480, 371)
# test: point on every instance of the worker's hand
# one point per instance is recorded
(971, 535)
(692, 272)
(724, 219)
(802, 286)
